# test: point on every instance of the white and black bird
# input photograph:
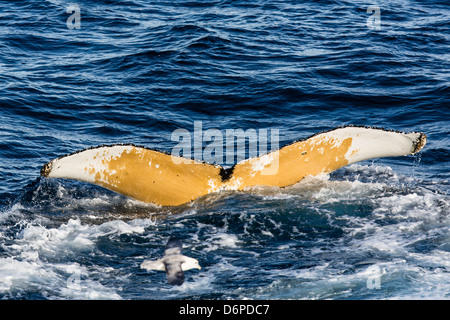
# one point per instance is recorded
(173, 262)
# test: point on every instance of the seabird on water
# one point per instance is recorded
(173, 262)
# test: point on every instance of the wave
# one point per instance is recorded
(136, 71)
(304, 236)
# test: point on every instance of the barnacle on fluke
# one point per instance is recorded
(420, 143)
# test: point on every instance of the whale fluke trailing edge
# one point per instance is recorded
(155, 177)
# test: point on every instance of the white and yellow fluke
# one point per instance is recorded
(154, 177)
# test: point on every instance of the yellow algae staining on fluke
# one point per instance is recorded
(155, 177)
(164, 183)
(292, 163)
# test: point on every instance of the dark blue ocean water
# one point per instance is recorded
(134, 71)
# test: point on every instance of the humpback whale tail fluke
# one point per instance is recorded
(163, 179)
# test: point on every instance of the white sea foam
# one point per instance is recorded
(404, 238)
(221, 240)
(397, 220)
(35, 257)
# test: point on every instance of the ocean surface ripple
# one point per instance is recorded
(134, 71)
